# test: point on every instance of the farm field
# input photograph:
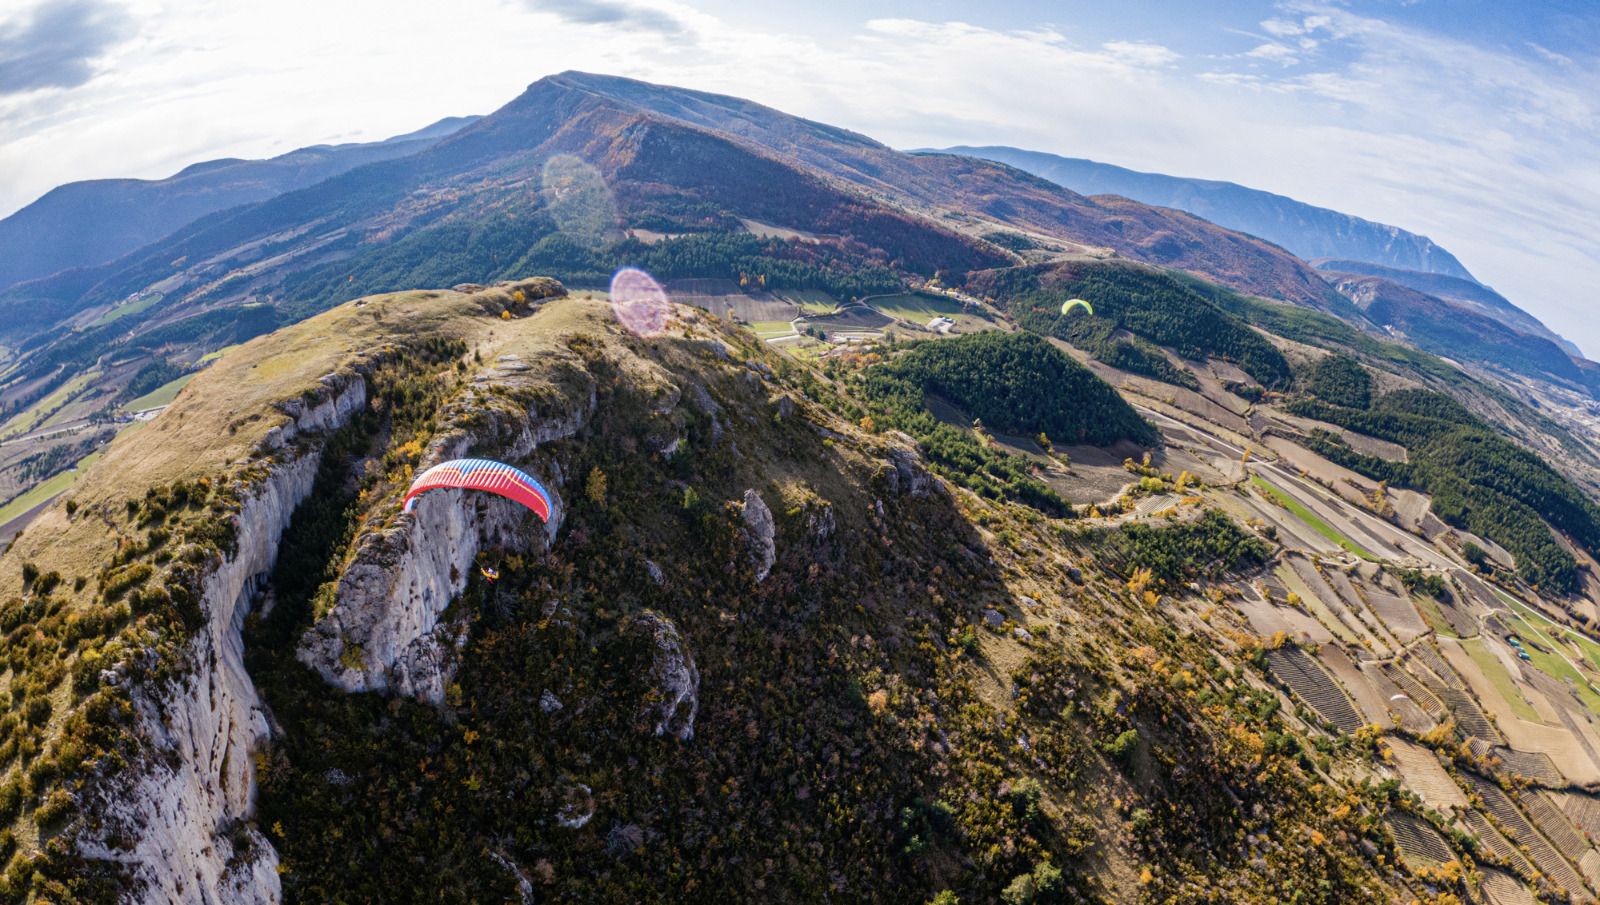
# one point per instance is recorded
(1311, 519)
(772, 329)
(1434, 616)
(1549, 655)
(810, 301)
(36, 414)
(915, 307)
(1591, 650)
(209, 357)
(46, 490)
(1397, 613)
(1496, 673)
(122, 311)
(161, 395)
(1316, 605)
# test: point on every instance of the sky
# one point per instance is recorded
(1474, 122)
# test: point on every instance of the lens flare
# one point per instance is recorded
(639, 302)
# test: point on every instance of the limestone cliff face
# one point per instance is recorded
(384, 633)
(676, 678)
(178, 818)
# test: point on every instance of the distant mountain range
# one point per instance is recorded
(1308, 231)
(670, 162)
(1468, 293)
(84, 224)
(692, 184)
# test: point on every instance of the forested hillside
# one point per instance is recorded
(1147, 303)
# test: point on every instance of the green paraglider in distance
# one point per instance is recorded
(1069, 304)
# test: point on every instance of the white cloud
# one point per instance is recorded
(1282, 28)
(1139, 53)
(1274, 52)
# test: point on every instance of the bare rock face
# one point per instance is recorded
(904, 472)
(384, 631)
(760, 531)
(673, 671)
(177, 819)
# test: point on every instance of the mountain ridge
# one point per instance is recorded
(1305, 229)
(1472, 294)
(92, 222)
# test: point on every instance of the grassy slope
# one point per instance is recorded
(122, 311)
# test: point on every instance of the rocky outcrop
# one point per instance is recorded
(177, 820)
(904, 472)
(672, 670)
(759, 531)
(384, 631)
(340, 396)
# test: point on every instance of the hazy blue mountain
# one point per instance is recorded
(1469, 293)
(1458, 329)
(1306, 230)
(84, 224)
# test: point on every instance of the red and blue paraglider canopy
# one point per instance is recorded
(483, 474)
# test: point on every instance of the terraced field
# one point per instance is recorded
(1495, 843)
(1581, 809)
(1331, 606)
(1312, 684)
(1589, 866)
(1424, 775)
(1315, 602)
(1372, 705)
(1397, 613)
(1437, 665)
(1356, 602)
(1419, 843)
(1555, 825)
(1469, 716)
(1501, 888)
(1533, 765)
(1411, 717)
(1544, 855)
(1419, 694)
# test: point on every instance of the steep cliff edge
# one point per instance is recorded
(177, 819)
(140, 781)
(383, 629)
